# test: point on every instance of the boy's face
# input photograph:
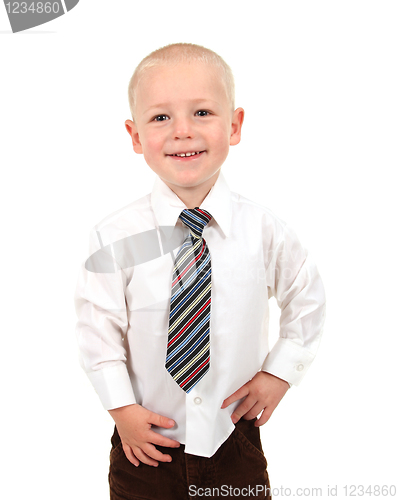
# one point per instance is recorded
(184, 109)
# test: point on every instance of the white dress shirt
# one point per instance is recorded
(123, 304)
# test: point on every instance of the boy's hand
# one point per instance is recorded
(133, 423)
(263, 392)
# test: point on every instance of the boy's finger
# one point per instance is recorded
(160, 420)
(160, 440)
(143, 457)
(243, 408)
(254, 411)
(130, 455)
(264, 417)
(240, 393)
(154, 453)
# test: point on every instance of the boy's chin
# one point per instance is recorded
(186, 183)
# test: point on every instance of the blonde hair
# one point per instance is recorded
(177, 53)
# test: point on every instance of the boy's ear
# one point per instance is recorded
(237, 120)
(132, 131)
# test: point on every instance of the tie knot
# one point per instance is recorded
(196, 219)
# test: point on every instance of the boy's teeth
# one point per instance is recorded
(188, 154)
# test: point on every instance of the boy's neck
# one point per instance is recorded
(193, 197)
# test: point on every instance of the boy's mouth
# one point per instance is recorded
(188, 154)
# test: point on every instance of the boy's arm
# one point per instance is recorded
(102, 325)
(101, 329)
(298, 289)
(295, 283)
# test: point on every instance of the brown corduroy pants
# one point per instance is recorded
(238, 469)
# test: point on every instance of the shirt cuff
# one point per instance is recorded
(288, 361)
(113, 386)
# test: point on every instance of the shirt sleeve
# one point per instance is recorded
(102, 325)
(295, 283)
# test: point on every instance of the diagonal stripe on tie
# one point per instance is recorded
(188, 347)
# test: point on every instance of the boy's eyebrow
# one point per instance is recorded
(164, 104)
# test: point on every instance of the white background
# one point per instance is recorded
(318, 81)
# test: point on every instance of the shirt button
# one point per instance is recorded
(300, 367)
(197, 401)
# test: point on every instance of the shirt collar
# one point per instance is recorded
(167, 206)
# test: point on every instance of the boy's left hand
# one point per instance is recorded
(263, 392)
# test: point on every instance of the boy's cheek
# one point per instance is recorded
(154, 145)
(221, 137)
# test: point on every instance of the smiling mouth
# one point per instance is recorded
(185, 155)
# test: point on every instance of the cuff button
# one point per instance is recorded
(300, 367)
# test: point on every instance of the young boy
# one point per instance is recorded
(173, 301)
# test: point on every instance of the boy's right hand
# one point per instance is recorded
(133, 423)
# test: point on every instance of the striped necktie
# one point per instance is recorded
(188, 348)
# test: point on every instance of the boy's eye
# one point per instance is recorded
(202, 112)
(161, 118)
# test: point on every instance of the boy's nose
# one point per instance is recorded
(183, 129)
